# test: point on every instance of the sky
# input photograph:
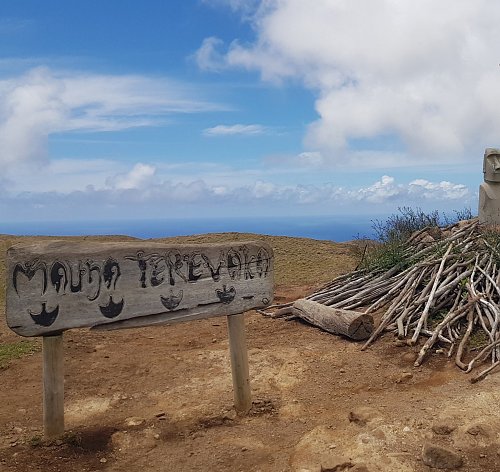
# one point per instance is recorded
(218, 108)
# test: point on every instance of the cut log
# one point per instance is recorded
(352, 324)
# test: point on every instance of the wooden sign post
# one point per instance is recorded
(58, 285)
(53, 386)
(239, 363)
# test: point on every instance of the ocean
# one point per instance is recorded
(334, 228)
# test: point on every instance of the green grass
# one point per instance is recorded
(9, 352)
(393, 233)
(436, 317)
(478, 339)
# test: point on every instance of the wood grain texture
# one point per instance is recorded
(53, 386)
(239, 363)
(58, 285)
(353, 324)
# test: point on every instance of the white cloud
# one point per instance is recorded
(143, 191)
(208, 57)
(426, 72)
(416, 192)
(381, 191)
(238, 129)
(141, 176)
(265, 190)
(438, 190)
(43, 102)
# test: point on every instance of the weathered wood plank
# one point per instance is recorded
(58, 285)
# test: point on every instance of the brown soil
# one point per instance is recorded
(160, 399)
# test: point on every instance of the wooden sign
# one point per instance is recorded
(58, 285)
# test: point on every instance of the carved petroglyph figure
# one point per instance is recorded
(489, 190)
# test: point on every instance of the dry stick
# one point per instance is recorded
(489, 309)
(422, 299)
(472, 290)
(450, 272)
(485, 372)
(416, 234)
(456, 303)
(382, 279)
(479, 357)
(456, 331)
(336, 296)
(324, 294)
(445, 301)
(429, 333)
(458, 355)
(357, 278)
(423, 296)
(412, 311)
(280, 313)
(444, 288)
(497, 278)
(493, 250)
(433, 247)
(340, 296)
(336, 281)
(377, 293)
(470, 319)
(404, 294)
(489, 332)
(430, 342)
(387, 318)
(341, 300)
(383, 299)
(320, 295)
(425, 313)
(497, 289)
(407, 307)
(487, 288)
(437, 292)
(410, 323)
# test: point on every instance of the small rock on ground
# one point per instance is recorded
(443, 427)
(439, 457)
(480, 429)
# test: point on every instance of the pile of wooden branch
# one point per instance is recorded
(446, 288)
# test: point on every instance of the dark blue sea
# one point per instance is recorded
(334, 228)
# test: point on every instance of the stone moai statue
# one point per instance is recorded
(489, 190)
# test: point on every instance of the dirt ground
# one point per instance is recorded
(160, 399)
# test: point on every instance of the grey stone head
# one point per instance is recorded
(491, 165)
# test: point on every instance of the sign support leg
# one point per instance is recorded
(239, 363)
(53, 386)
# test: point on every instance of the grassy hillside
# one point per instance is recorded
(299, 261)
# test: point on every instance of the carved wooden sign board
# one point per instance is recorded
(58, 285)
